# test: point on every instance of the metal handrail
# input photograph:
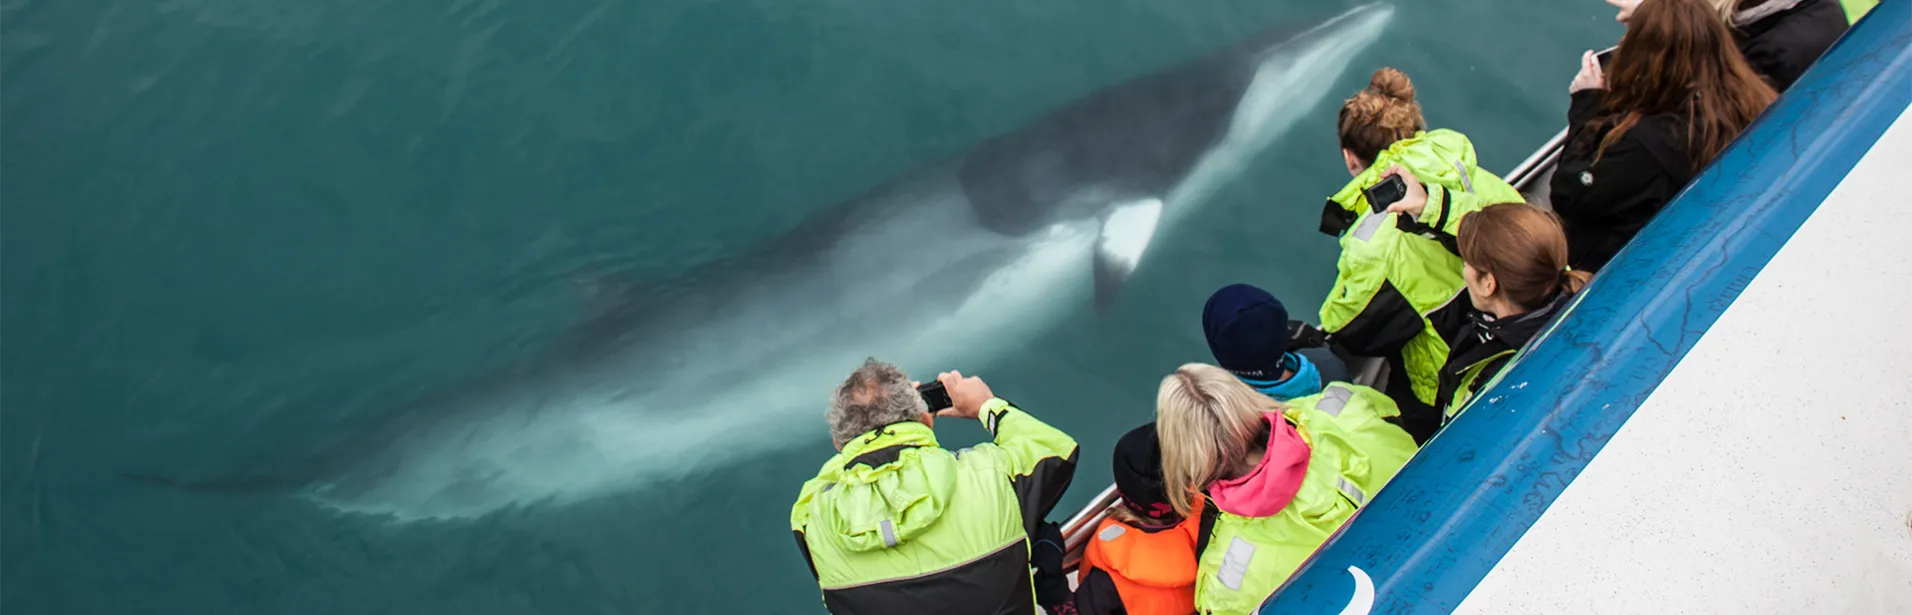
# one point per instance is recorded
(1541, 160)
(1076, 532)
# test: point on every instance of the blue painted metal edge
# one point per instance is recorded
(1449, 517)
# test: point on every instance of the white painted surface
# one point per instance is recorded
(1772, 471)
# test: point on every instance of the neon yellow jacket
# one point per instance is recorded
(1353, 452)
(893, 521)
(1857, 8)
(1394, 270)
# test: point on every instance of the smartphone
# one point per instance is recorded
(1604, 57)
(934, 395)
(1385, 193)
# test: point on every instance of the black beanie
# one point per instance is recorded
(1138, 475)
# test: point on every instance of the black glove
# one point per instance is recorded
(1045, 554)
(1304, 335)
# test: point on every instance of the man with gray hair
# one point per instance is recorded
(896, 524)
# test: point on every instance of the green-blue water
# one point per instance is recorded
(234, 229)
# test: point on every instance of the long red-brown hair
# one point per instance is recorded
(1678, 57)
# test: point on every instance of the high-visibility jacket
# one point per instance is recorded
(1394, 270)
(1857, 8)
(1353, 452)
(895, 524)
(1153, 572)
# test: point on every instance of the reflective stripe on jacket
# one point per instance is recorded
(1353, 452)
(1394, 270)
(895, 524)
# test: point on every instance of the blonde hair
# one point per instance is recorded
(1376, 117)
(1726, 9)
(1209, 424)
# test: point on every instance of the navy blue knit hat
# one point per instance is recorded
(1247, 331)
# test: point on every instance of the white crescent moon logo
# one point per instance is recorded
(1363, 600)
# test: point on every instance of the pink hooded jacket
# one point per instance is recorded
(1273, 483)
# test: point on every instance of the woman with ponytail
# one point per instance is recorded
(1517, 280)
(1398, 265)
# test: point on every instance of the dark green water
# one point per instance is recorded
(235, 229)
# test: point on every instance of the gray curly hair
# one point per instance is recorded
(874, 395)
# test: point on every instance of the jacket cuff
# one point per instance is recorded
(1585, 104)
(1435, 213)
(993, 412)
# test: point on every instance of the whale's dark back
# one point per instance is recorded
(1137, 138)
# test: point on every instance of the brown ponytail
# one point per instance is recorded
(1376, 117)
(1524, 248)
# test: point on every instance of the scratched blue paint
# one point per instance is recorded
(1456, 509)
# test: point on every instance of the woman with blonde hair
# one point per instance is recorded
(1396, 267)
(1283, 476)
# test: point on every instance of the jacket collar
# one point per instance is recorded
(1514, 331)
(1305, 381)
(1766, 9)
(894, 436)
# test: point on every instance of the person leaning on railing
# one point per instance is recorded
(1283, 476)
(896, 524)
(1676, 93)
(1396, 269)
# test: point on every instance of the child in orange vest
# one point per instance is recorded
(1141, 560)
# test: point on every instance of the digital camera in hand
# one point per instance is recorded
(1385, 193)
(934, 395)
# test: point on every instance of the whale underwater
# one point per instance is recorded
(998, 242)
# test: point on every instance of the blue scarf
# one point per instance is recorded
(1305, 381)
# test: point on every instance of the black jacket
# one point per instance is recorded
(1474, 336)
(1604, 204)
(1782, 38)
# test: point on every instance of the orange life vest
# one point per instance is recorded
(1153, 571)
